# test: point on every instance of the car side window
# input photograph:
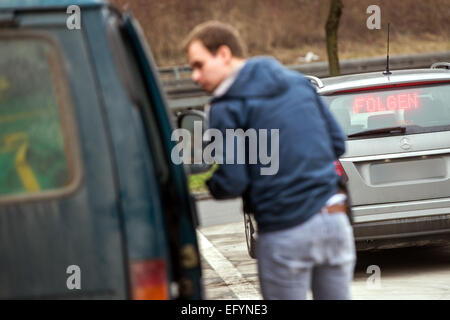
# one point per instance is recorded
(34, 153)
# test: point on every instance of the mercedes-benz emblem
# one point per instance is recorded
(405, 144)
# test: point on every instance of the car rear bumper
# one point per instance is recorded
(424, 230)
(440, 239)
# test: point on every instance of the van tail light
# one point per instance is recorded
(149, 280)
(340, 170)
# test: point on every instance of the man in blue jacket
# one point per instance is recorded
(305, 239)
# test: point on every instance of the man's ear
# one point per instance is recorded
(225, 52)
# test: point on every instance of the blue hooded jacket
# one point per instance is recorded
(266, 95)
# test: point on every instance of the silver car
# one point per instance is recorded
(397, 163)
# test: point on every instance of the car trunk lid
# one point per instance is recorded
(409, 162)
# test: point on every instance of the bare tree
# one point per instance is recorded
(332, 36)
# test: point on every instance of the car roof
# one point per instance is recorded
(373, 79)
(39, 4)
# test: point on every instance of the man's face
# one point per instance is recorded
(208, 70)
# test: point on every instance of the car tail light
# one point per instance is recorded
(149, 280)
(340, 170)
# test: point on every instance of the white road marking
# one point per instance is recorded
(242, 288)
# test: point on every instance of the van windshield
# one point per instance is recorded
(418, 109)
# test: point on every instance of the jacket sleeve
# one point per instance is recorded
(229, 180)
(336, 134)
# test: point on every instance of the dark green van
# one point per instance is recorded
(91, 206)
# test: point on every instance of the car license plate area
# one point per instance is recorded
(408, 170)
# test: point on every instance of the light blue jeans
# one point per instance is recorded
(318, 254)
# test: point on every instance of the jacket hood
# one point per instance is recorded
(259, 77)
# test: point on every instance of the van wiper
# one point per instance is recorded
(399, 129)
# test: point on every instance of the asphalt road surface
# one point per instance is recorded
(229, 273)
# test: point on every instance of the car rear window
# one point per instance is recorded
(420, 108)
(33, 149)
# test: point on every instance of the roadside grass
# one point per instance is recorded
(288, 29)
(399, 45)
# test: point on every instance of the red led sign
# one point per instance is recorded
(393, 102)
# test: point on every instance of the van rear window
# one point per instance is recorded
(424, 108)
(33, 153)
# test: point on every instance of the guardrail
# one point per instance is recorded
(183, 93)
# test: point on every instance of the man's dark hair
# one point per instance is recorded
(214, 34)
